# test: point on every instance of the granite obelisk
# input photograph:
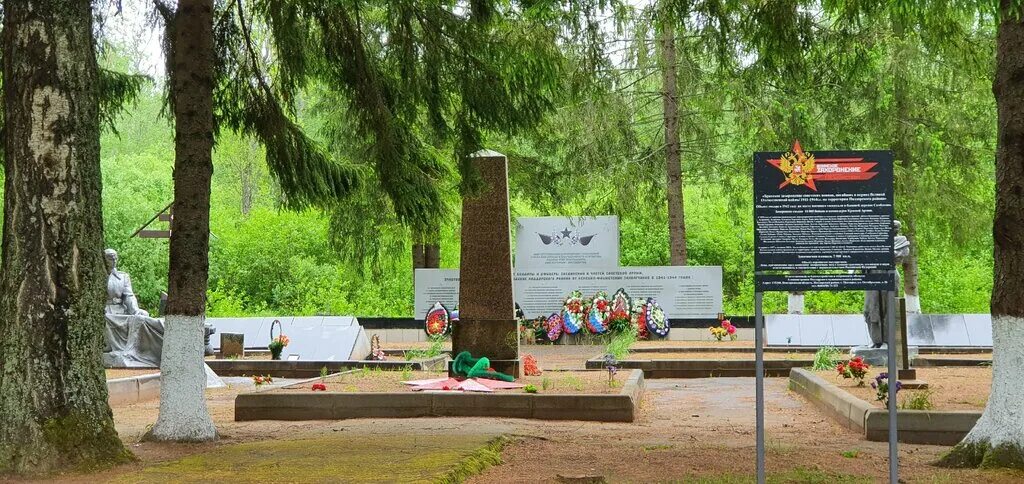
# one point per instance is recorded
(487, 325)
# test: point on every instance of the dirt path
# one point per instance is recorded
(693, 429)
(703, 429)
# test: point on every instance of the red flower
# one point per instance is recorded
(445, 387)
(319, 387)
(530, 367)
(601, 305)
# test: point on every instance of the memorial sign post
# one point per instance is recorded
(823, 221)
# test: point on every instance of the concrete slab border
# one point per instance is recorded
(915, 426)
(133, 389)
(311, 369)
(702, 368)
(282, 405)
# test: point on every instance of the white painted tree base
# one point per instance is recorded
(183, 413)
(913, 303)
(795, 304)
(1003, 420)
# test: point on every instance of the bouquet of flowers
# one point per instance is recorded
(598, 313)
(573, 312)
(729, 328)
(530, 367)
(553, 327)
(856, 369)
(657, 323)
(277, 345)
(260, 380)
(437, 322)
(723, 331)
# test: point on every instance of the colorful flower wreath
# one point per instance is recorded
(657, 323)
(599, 312)
(619, 320)
(553, 327)
(640, 319)
(437, 322)
(573, 312)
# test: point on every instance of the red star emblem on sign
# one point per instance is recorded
(802, 168)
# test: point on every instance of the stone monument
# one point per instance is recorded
(487, 325)
(133, 338)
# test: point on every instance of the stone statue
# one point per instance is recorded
(876, 304)
(133, 338)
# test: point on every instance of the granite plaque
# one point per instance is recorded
(693, 292)
(567, 242)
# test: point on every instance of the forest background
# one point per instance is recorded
(601, 152)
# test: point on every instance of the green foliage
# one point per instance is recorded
(581, 127)
(434, 350)
(546, 383)
(530, 389)
(621, 343)
(574, 382)
(826, 358)
(918, 400)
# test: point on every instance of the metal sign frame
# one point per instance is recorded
(759, 326)
(797, 186)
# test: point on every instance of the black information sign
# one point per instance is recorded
(828, 211)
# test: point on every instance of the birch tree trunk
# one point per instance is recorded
(183, 413)
(673, 162)
(997, 440)
(53, 396)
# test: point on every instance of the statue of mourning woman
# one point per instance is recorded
(876, 304)
(134, 339)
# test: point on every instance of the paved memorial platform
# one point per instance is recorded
(960, 330)
(313, 338)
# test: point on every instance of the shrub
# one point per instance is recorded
(826, 358)
(919, 401)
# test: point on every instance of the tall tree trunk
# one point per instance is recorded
(53, 395)
(998, 437)
(904, 153)
(673, 162)
(183, 412)
(419, 255)
(248, 180)
(432, 252)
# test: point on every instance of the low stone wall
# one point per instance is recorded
(284, 405)
(124, 391)
(311, 369)
(913, 426)
(925, 362)
(703, 368)
(846, 409)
